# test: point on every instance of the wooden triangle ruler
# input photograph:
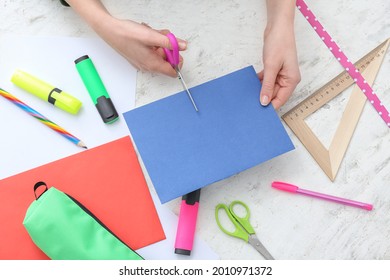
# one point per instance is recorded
(330, 159)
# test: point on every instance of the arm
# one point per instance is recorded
(138, 43)
(281, 73)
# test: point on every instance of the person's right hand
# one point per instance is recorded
(141, 45)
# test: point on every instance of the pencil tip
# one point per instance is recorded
(82, 145)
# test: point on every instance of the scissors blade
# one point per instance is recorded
(186, 89)
(255, 242)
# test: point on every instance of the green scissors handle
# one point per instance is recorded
(244, 221)
(242, 226)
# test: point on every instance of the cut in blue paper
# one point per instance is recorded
(184, 150)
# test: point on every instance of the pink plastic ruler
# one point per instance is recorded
(344, 61)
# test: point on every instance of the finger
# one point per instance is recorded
(161, 53)
(159, 65)
(261, 75)
(282, 96)
(165, 68)
(145, 24)
(277, 87)
(157, 39)
(182, 43)
(164, 31)
(268, 85)
(181, 62)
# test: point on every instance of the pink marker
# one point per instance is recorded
(187, 223)
(294, 189)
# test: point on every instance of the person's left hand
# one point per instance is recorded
(281, 73)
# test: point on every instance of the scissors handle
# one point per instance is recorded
(239, 231)
(244, 221)
(173, 58)
(172, 55)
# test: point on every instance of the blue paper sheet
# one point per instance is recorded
(184, 150)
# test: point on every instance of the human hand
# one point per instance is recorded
(281, 73)
(141, 45)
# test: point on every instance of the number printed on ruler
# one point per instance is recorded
(332, 88)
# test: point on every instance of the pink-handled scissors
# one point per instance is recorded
(174, 60)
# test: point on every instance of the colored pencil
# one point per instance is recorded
(42, 118)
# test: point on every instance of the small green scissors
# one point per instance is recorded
(244, 229)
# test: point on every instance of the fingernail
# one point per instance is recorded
(183, 44)
(264, 100)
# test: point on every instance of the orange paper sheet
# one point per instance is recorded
(108, 180)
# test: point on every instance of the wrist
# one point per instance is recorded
(281, 27)
(282, 23)
(92, 11)
(280, 13)
(102, 23)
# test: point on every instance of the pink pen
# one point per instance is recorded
(294, 189)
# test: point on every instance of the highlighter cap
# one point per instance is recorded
(106, 109)
(64, 101)
(192, 197)
(96, 89)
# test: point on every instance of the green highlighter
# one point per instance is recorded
(96, 89)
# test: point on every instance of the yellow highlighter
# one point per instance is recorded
(46, 92)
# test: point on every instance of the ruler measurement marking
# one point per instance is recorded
(331, 158)
(331, 89)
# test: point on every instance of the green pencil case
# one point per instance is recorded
(65, 230)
